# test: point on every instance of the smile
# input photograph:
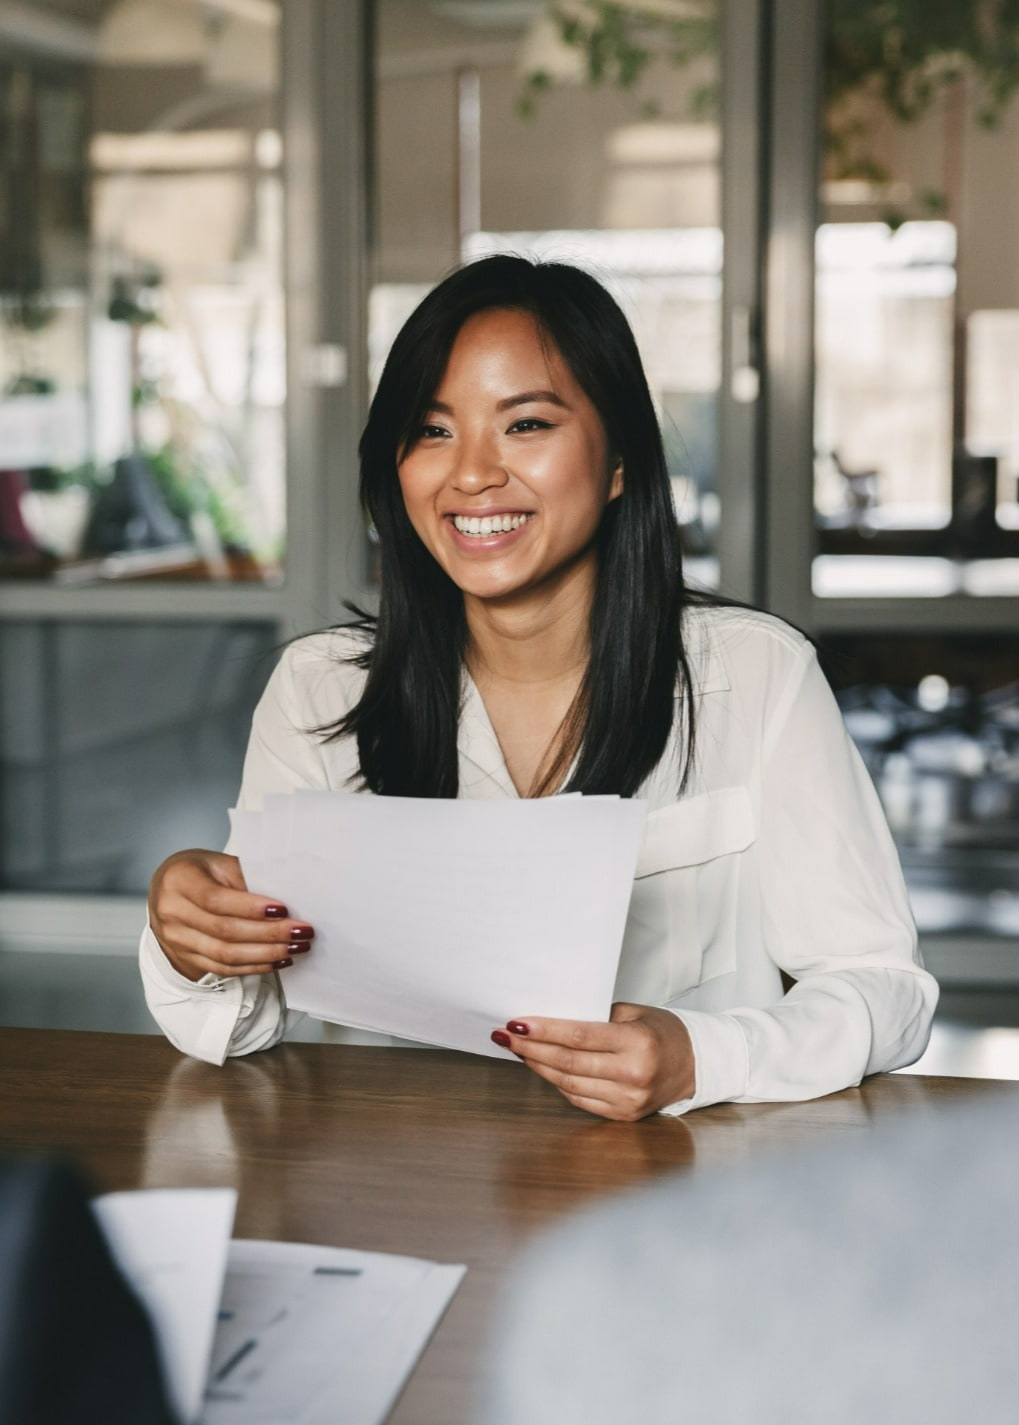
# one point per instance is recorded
(488, 524)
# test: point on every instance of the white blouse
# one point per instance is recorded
(776, 858)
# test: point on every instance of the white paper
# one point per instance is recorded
(440, 920)
(320, 1336)
(258, 1333)
(171, 1245)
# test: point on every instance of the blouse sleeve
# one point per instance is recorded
(218, 1017)
(836, 919)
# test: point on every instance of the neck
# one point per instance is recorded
(541, 639)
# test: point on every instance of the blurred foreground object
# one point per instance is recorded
(76, 1347)
(876, 1280)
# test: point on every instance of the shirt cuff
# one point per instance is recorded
(721, 1059)
(198, 1017)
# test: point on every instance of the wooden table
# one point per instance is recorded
(432, 1154)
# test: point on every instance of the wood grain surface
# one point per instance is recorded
(428, 1153)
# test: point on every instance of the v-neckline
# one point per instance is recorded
(478, 742)
(477, 736)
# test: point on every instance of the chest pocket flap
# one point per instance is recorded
(681, 928)
(697, 830)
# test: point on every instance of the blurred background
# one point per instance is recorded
(215, 214)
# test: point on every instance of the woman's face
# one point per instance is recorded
(507, 482)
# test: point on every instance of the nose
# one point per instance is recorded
(478, 465)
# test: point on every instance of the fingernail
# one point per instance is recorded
(275, 912)
(500, 1037)
(282, 964)
(298, 947)
(301, 932)
(517, 1026)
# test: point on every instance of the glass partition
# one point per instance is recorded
(119, 744)
(936, 718)
(141, 307)
(508, 128)
(917, 304)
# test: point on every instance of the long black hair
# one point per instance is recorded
(407, 718)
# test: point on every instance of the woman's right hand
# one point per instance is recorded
(208, 922)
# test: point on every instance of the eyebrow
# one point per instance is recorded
(524, 398)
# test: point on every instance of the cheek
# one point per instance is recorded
(593, 480)
(418, 491)
(581, 473)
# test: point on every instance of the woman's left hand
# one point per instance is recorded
(636, 1064)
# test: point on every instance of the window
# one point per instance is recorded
(142, 451)
(917, 302)
(142, 361)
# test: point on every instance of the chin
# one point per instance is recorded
(480, 583)
(489, 592)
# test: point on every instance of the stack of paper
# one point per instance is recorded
(172, 1247)
(441, 920)
(255, 1333)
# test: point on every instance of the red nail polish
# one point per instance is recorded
(275, 912)
(500, 1037)
(517, 1026)
(282, 964)
(301, 932)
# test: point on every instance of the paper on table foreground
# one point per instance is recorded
(439, 920)
(172, 1246)
(271, 1331)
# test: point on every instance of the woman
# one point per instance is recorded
(534, 636)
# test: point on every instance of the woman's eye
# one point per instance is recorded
(527, 423)
(431, 433)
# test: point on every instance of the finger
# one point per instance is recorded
(576, 1087)
(186, 915)
(621, 1106)
(227, 870)
(623, 1013)
(598, 1096)
(194, 967)
(213, 865)
(616, 1112)
(570, 1063)
(206, 866)
(570, 1033)
(198, 900)
(224, 956)
(226, 900)
(215, 882)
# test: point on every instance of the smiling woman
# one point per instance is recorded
(516, 387)
(507, 481)
(506, 485)
(535, 636)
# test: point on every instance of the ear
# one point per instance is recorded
(616, 482)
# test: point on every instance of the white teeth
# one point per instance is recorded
(488, 524)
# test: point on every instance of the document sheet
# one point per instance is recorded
(256, 1333)
(440, 920)
(171, 1244)
(320, 1336)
